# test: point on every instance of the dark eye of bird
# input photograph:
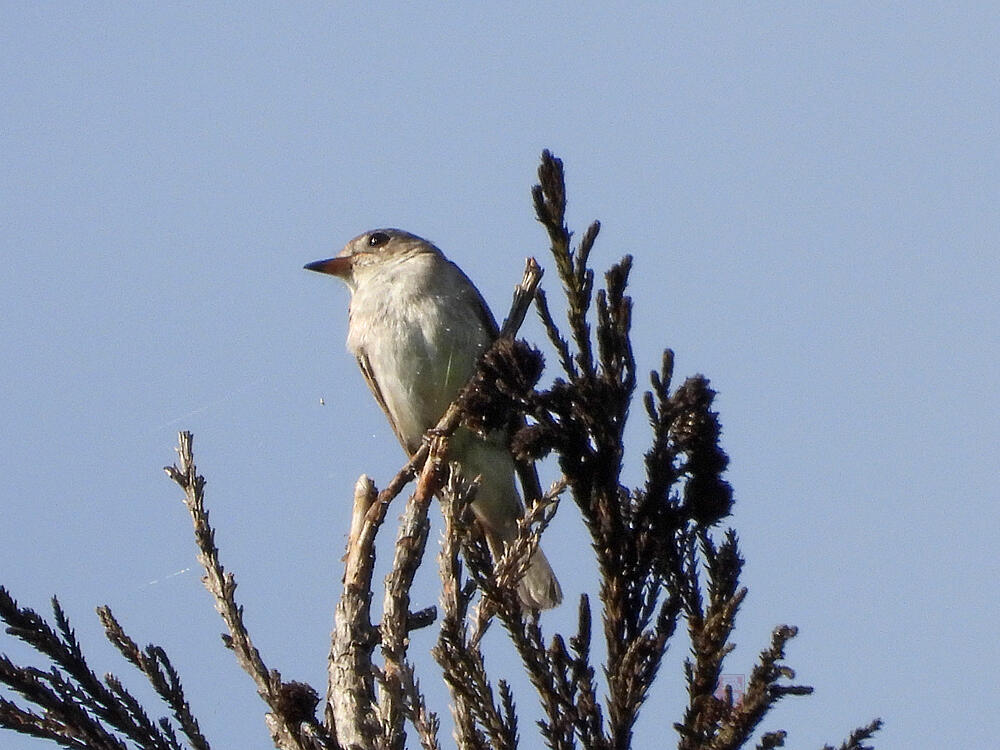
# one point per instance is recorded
(377, 239)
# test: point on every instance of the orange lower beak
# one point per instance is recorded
(334, 266)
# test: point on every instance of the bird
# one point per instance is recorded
(417, 326)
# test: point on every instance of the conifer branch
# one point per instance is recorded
(662, 558)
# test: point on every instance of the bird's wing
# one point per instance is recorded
(366, 370)
(526, 471)
(478, 304)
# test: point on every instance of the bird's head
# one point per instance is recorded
(370, 251)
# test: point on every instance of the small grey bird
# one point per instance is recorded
(417, 327)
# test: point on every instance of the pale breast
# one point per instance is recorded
(418, 325)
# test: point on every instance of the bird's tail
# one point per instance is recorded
(498, 507)
(538, 589)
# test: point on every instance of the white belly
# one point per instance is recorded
(421, 337)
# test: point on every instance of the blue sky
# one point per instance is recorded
(811, 196)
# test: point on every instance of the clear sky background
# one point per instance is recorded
(811, 195)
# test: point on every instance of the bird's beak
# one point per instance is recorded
(339, 266)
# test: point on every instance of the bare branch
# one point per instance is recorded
(859, 736)
(285, 728)
(153, 663)
(350, 687)
(660, 557)
(410, 544)
(477, 715)
(78, 710)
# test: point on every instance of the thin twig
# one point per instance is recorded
(350, 701)
(473, 704)
(153, 663)
(222, 586)
(410, 544)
